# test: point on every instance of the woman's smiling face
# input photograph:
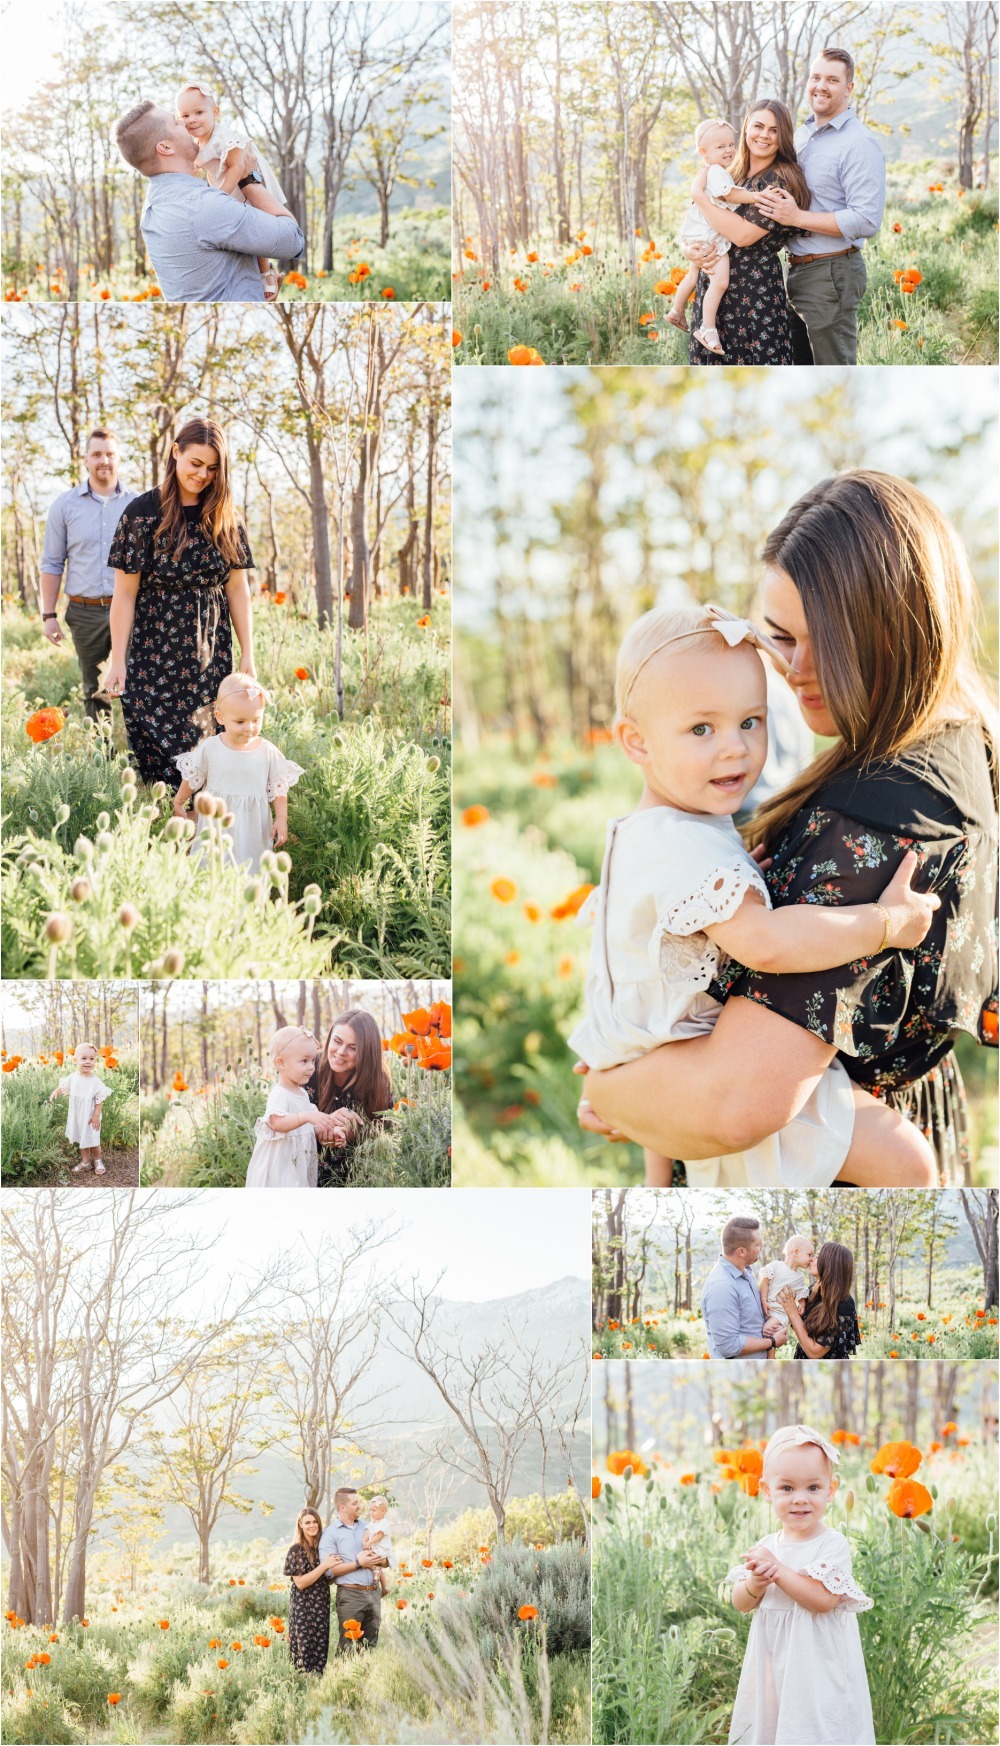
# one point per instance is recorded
(310, 1527)
(762, 134)
(784, 615)
(342, 1051)
(197, 466)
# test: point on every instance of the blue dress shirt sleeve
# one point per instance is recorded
(54, 548)
(225, 223)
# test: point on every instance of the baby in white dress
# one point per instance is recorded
(378, 1538)
(240, 769)
(678, 889)
(716, 145)
(803, 1678)
(285, 1155)
(779, 1276)
(86, 1093)
(227, 154)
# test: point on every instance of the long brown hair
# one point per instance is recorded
(785, 164)
(889, 603)
(835, 1270)
(300, 1539)
(371, 1085)
(216, 510)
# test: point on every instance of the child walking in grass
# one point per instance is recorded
(803, 1681)
(227, 154)
(678, 889)
(285, 1155)
(240, 768)
(86, 1092)
(790, 1274)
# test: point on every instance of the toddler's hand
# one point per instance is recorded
(911, 911)
(279, 833)
(180, 808)
(698, 185)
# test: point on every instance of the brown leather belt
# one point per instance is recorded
(88, 600)
(807, 260)
(360, 1587)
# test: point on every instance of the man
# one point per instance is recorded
(78, 533)
(359, 1594)
(730, 1301)
(204, 244)
(845, 171)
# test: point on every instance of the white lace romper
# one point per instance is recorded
(215, 151)
(283, 1160)
(803, 1681)
(85, 1092)
(696, 226)
(247, 781)
(779, 1275)
(667, 875)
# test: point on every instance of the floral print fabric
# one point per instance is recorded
(308, 1615)
(846, 1337)
(753, 323)
(181, 646)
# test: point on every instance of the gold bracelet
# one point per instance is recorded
(887, 919)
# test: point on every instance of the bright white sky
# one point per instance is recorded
(488, 1243)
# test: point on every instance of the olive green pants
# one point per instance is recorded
(363, 1604)
(90, 628)
(826, 295)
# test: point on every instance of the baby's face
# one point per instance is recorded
(85, 1060)
(801, 1256)
(800, 1485)
(297, 1061)
(703, 720)
(377, 1513)
(197, 113)
(240, 718)
(718, 147)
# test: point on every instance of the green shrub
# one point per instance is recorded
(556, 1581)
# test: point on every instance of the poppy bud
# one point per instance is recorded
(433, 765)
(849, 1502)
(174, 829)
(158, 790)
(59, 927)
(283, 861)
(129, 917)
(128, 774)
(312, 891)
(228, 820)
(253, 891)
(103, 820)
(311, 905)
(129, 793)
(173, 961)
(62, 814)
(204, 804)
(105, 841)
(80, 890)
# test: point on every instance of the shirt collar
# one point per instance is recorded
(84, 490)
(838, 121)
(734, 1272)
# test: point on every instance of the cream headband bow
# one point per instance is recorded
(796, 1437)
(732, 629)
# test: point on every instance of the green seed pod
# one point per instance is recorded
(849, 1502)
(83, 849)
(80, 890)
(62, 814)
(253, 891)
(58, 927)
(158, 790)
(268, 861)
(103, 821)
(626, 1474)
(870, 1482)
(311, 905)
(312, 891)
(174, 829)
(283, 862)
(173, 961)
(204, 804)
(105, 841)
(129, 917)
(129, 793)
(128, 774)
(925, 1527)
(433, 765)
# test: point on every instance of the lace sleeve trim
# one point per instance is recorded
(839, 1581)
(262, 1130)
(716, 899)
(190, 766)
(285, 776)
(737, 1574)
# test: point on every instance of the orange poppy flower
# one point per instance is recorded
(595, 1484)
(114, 1697)
(401, 1604)
(388, 293)
(531, 912)
(504, 890)
(475, 815)
(897, 1460)
(897, 228)
(44, 724)
(428, 1563)
(525, 1613)
(907, 1498)
(687, 1478)
(456, 338)
(524, 355)
(280, 598)
(301, 672)
(571, 904)
(532, 256)
(619, 1459)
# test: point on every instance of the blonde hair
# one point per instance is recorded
(705, 127)
(652, 632)
(241, 685)
(795, 1437)
(78, 1046)
(795, 1242)
(202, 90)
(283, 1037)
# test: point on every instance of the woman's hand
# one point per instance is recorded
(911, 912)
(786, 1298)
(114, 678)
(778, 204)
(700, 182)
(762, 858)
(247, 666)
(702, 255)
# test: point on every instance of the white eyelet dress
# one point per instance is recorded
(86, 1093)
(667, 875)
(283, 1160)
(247, 782)
(803, 1681)
(225, 136)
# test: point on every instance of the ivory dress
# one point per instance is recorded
(779, 1275)
(803, 1681)
(247, 781)
(667, 875)
(85, 1092)
(283, 1160)
(696, 226)
(225, 136)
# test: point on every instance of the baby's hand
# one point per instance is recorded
(911, 912)
(279, 832)
(180, 807)
(698, 185)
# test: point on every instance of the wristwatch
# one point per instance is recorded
(774, 1343)
(46, 615)
(254, 176)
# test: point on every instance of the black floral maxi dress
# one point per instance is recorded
(309, 1613)
(335, 1161)
(893, 1017)
(753, 322)
(181, 647)
(846, 1337)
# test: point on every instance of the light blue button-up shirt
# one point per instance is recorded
(845, 171)
(204, 244)
(348, 1542)
(79, 529)
(730, 1304)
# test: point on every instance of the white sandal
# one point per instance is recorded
(678, 321)
(81, 1166)
(705, 337)
(99, 1169)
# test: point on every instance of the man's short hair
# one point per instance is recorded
(342, 1492)
(841, 55)
(99, 436)
(739, 1232)
(138, 134)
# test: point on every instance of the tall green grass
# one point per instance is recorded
(33, 1131)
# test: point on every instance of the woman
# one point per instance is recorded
(309, 1612)
(180, 556)
(828, 1326)
(351, 1078)
(753, 321)
(869, 596)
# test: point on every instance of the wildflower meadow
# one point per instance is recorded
(918, 1504)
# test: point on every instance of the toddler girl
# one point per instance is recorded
(791, 1274)
(677, 888)
(716, 145)
(285, 1152)
(86, 1093)
(226, 154)
(239, 767)
(378, 1538)
(803, 1676)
